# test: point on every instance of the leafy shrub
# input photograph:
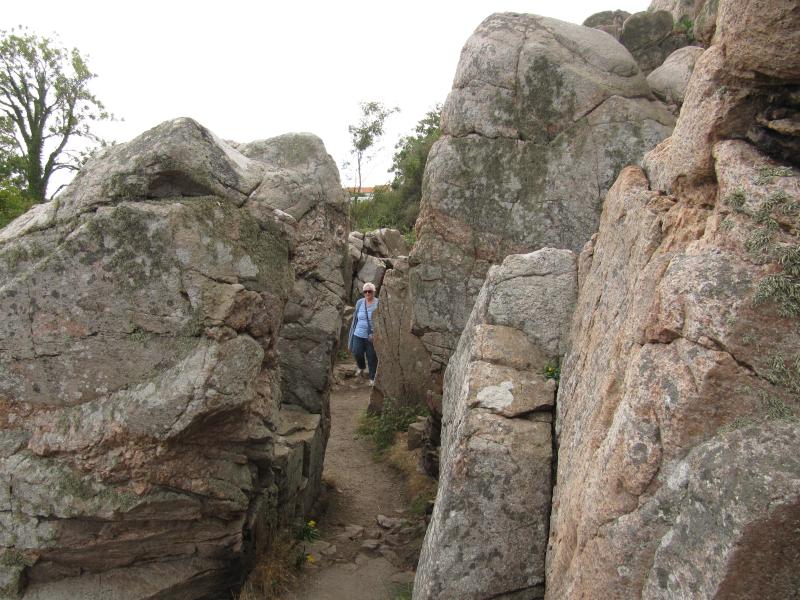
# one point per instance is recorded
(13, 203)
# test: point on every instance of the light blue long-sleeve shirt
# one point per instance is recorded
(362, 326)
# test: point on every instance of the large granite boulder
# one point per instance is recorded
(610, 21)
(670, 80)
(679, 338)
(302, 180)
(699, 16)
(678, 9)
(542, 117)
(143, 447)
(488, 532)
(651, 37)
(677, 413)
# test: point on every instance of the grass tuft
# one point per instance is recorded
(727, 224)
(401, 591)
(758, 241)
(394, 418)
(782, 290)
(421, 487)
(275, 571)
(767, 174)
(736, 199)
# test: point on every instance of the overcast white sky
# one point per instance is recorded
(252, 70)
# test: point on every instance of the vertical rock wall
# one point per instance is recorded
(143, 446)
(301, 180)
(488, 532)
(404, 369)
(677, 411)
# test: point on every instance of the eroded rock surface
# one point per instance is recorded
(143, 446)
(404, 367)
(488, 532)
(745, 87)
(372, 253)
(651, 38)
(542, 116)
(678, 403)
(670, 80)
(301, 179)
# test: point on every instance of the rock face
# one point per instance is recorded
(371, 255)
(610, 21)
(669, 81)
(741, 89)
(700, 14)
(404, 376)
(651, 37)
(301, 179)
(677, 409)
(678, 9)
(542, 116)
(143, 446)
(488, 532)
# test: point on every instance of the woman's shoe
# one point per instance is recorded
(372, 382)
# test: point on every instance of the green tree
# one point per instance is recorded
(408, 166)
(45, 104)
(397, 205)
(366, 133)
(12, 200)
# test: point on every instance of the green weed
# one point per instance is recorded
(394, 418)
(307, 531)
(781, 289)
(401, 591)
(553, 371)
(775, 408)
(687, 25)
(758, 241)
(785, 376)
(727, 224)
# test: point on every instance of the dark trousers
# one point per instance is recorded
(362, 346)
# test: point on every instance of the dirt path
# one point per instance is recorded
(358, 558)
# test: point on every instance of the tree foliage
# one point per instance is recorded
(367, 132)
(45, 104)
(12, 200)
(397, 205)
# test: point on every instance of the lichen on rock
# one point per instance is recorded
(140, 395)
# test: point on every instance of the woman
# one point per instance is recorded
(361, 330)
